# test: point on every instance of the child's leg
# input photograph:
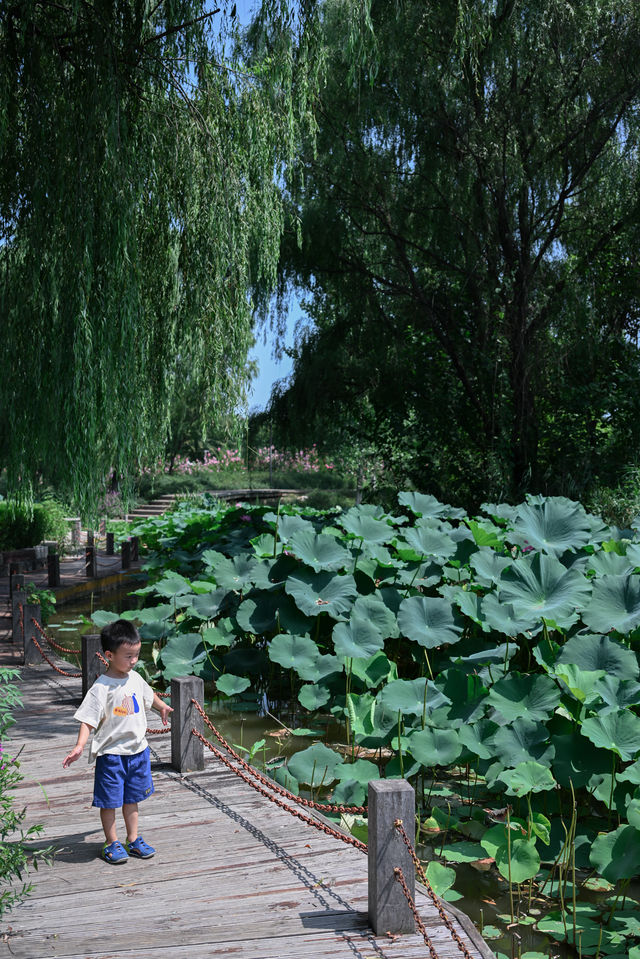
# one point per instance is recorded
(130, 814)
(108, 819)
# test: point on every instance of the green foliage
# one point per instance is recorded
(22, 526)
(15, 858)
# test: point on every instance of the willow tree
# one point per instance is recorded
(139, 206)
(470, 220)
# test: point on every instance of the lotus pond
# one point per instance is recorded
(491, 660)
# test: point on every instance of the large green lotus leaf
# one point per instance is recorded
(287, 524)
(323, 666)
(522, 740)
(580, 683)
(616, 855)
(266, 546)
(615, 604)
(463, 852)
(152, 614)
(154, 632)
(616, 692)
(359, 638)
(467, 694)
(184, 655)
(605, 563)
(375, 670)
(425, 540)
(519, 862)
(361, 712)
(527, 777)
(423, 504)
(468, 602)
(530, 696)
(315, 765)
(365, 527)
(375, 610)
(325, 592)
(541, 587)
(488, 566)
(497, 836)
(245, 659)
(500, 511)
(486, 534)
(407, 696)
(172, 584)
(418, 574)
(502, 618)
(616, 731)
(440, 877)
(257, 613)
(231, 685)
(478, 738)
(430, 621)
(349, 793)
(362, 771)
(293, 652)
(592, 653)
(313, 697)
(319, 550)
(208, 605)
(435, 747)
(289, 617)
(552, 526)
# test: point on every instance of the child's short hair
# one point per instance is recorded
(116, 634)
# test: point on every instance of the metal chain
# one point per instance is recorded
(436, 901)
(51, 642)
(419, 923)
(321, 807)
(53, 665)
(350, 840)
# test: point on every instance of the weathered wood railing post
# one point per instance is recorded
(187, 752)
(18, 601)
(91, 562)
(31, 655)
(92, 665)
(53, 569)
(110, 548)
(389, 911)
(125, 552)
(16, 581)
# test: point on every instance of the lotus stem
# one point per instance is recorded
(400, 743)
(509, 862)
(613, 782)
(424, 704)
(426, 656)
(599, 944)
(623, 889)
(573, 859)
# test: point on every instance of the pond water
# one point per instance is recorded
(483, 894)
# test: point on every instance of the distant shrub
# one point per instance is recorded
(22, 527)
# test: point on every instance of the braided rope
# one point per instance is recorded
(350, 840)
(321, 807)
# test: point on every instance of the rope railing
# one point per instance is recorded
(321, 807)
(62, 672)
(52, 643)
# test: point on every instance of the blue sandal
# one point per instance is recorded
(140, 849)
(114, 853)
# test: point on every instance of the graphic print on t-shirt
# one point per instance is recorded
(128, 706)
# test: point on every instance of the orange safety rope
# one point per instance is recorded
(322, 807)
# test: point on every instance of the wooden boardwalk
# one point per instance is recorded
(234, 875)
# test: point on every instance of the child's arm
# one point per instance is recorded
(162, 708)
(83, 735)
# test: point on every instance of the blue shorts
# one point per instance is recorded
(122, 779)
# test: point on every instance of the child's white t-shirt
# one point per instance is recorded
(116, 710)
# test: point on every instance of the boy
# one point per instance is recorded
(114, 711)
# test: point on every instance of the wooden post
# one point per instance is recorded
(92, 665)
(16, 581)
(125, 552)
(110, 549)
(187, 752)
(53, 569)
(390, 799)
(91, 562)
(31, 655)
(18, 600)
(135, 549)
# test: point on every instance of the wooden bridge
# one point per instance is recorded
(234, 875)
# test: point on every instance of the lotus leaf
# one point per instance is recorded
(293, 651)
(516, 696)
(631, 773)
(375, 670)
(153, 614)
(488, 566)
(542, 588)
(633, 812)
(617, 692)
(497, 836)
(418, 574)
(319, 550)
(592, 653)
(102, 617)
(407, 696)
(468, 602)
(362, 771)
(615, 604)
(220, 635)
(316, 593)
(359, 638)
(463, 852)
(257, 613)
(435, 747)
(265, 546)
(478, 738)
(361, 712)
(519, 862)
(429, 620)
(440, 877)
(425, 540)
(486, 534)
(466, 693)
(520, 741)
(375, 610)
(184, 655)
(605, 563)
(527, 777)
(245, 659)
(580, 683)
(366, 527)
(241, 571)
(231, 685)
(573, 764)
(313, 697)
(349, 793)
(502, 618)
(323, 666)
(172, 585)
(552, 526)
(315, 765)
(614, 730)
(426, 505)
(616, 855)
(500, 511)
(156, 631)
(208, 605)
